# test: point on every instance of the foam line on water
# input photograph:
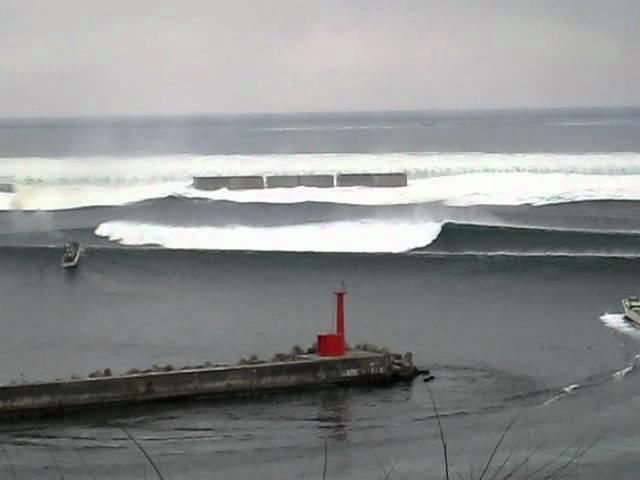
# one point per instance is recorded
(620, 374)
(468, 189)
(363, 236)
(568, 390)
(459, 190)
(57, 197)
(162, 168)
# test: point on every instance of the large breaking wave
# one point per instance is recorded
(454, 179)
(342, 237)
(377, 236)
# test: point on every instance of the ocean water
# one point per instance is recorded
(500, 266)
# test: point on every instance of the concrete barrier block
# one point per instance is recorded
(283, 181)
(372, 180)
(246, 183)
(291, 181)
(318, 181)
(232, 183)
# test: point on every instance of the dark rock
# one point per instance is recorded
(297, 350)
(254, 360)
(281, 357)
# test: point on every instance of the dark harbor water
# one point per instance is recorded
(500, 266)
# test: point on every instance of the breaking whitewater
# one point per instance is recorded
(462, 203)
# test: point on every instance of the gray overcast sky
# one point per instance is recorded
(111, 57)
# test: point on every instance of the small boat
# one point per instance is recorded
(71, 255)
(631, 307)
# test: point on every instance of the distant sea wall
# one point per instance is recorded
(291, 181)
(385, 180)
(6, 188)
(372, 180)
(231, 183)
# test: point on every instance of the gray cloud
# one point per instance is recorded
(84, 57)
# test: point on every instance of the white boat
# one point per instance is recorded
(71, 255)
(631, 307)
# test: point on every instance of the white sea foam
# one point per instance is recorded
(63, 197)
(7, 201)
(457, 179)
(460, 190)
(618, 322)
(363, 236)
(571, 388)
(417, 165)
(568, 390)
(620, 374)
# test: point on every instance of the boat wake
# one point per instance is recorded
(568, 390)
(616, 376)
(618, 322)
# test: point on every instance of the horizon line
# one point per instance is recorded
(162, 116)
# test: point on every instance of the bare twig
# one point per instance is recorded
(86, 466)
(443, 441)
(55, 462)
(324, 468)
(574, 460)
(504, 462)
(497, 445)
(144, 452)
(11, 467)
(452, 463)
(524, 462)
(552, 461)
(393, 470)
(389, 472)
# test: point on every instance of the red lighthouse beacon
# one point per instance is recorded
(333, 344)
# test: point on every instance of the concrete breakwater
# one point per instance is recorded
(305, 371)
(379, 180)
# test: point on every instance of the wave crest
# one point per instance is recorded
(338, 237)
(456, 179)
